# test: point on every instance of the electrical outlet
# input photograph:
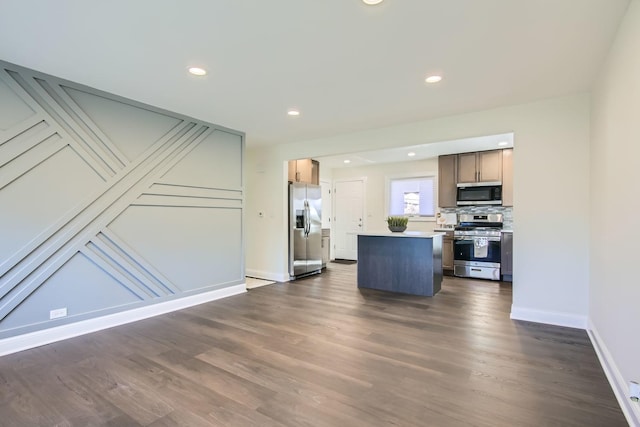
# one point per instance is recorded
(58, 313)
(634, 391)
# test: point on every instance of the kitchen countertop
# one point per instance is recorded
(420, 234)
(506, 231)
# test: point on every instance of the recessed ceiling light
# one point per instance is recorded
(347, 161)
(433, 79)
(293, 112)
(371, 2)
(411, 154)
(197, 71)
(503, 143)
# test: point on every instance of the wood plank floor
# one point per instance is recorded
(318, 352)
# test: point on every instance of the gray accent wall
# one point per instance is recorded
(107, 204)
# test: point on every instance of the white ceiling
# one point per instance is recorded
(345, 65)
(421, 152)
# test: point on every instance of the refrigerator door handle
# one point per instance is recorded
(307, 217)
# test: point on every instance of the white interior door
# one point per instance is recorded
(348, 219)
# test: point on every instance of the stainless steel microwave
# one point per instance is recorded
(481, 193)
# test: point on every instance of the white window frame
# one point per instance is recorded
(412, 175)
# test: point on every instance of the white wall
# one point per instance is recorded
(376, 183)
(266, 192)
(614, 308)
(111, 209)
(551, 224)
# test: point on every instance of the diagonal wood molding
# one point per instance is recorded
(90, 158)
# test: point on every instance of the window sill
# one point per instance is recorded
(422, 219)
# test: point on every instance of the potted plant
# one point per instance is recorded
(397, 223)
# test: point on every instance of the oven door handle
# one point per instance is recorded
(470, 239)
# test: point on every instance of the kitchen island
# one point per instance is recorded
(408, 263)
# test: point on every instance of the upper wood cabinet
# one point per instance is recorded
(304, 170)
(293, 171)
(447, 181)
(467, 167)
(482, 166)
(507, 177)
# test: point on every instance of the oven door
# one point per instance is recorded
(464, 250)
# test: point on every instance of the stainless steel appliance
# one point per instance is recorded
(305, 229)
(480, 193)
(476, 246)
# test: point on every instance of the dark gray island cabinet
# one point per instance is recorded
(408, 263)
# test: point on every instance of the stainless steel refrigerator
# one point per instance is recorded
(305, 229)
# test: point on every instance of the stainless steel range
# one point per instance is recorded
(477, 246)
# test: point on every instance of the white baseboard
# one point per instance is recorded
(267, 275)
(549, 317)
(618, 384)
(59, 333)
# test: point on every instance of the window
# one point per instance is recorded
(412, 203)
(413, 196)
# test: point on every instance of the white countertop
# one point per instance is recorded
(420, 234)
(506, 231)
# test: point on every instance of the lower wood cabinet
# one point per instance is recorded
(447, 253)
(506, 257)
(326, 245)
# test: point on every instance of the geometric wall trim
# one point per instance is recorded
(108, 204)
(209, 162)
(129, 129)
(80, 286)
(162, 235)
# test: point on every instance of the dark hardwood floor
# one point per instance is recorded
(318, 352)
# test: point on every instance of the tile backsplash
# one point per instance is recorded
(507, 213)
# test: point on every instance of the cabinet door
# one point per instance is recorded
(325, 251)
(293, 175)
(305, 170)
(506, 254)
(447, 181)
(507, 177)
(467, 171)
(489, 165)
(315, 172)
(447, 253)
